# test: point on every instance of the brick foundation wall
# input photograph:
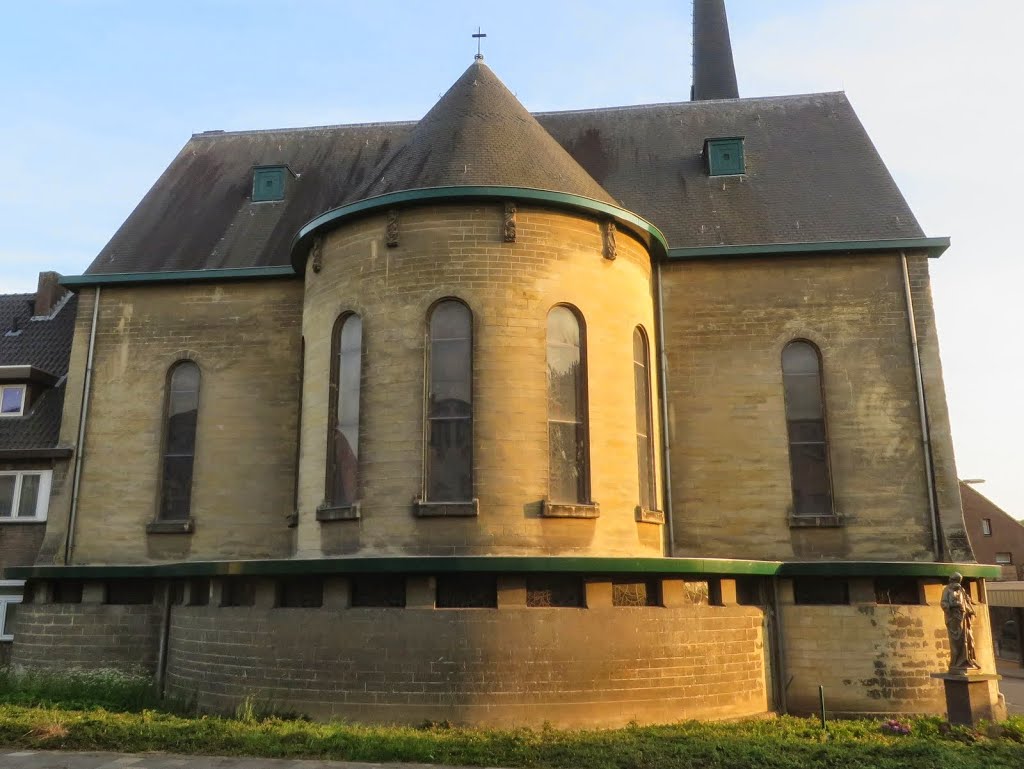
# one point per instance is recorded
(62, 637)
(872, 658)
(485, 666)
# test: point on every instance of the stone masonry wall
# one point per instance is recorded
(458, 251)
(245, 337)
(484, 666)
(873, 658)
(726, 323)
(86, 636)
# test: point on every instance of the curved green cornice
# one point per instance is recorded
(507, 565)
(648, 234)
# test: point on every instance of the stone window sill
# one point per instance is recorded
(326, 513)
(823, 521)
(186, 526)
(569, 510)
(643, 515)
(425, 509)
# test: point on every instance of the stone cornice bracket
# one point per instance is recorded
(608, 237)
(509, 231)
(316, 255)
(391, 237)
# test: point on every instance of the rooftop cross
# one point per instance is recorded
(479, 35)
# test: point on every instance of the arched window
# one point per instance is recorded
(343, 414)
(805, 422)
(182, 409)
(568, 471)
(644, 421)
(449, 472)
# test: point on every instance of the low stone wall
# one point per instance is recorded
(871, 658)
(505, 666)
(86, 636)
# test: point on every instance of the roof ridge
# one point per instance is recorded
(214, 134)
(218, 133)
(694, 104)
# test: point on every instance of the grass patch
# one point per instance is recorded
(108, 689)
(112, 711)
(784, 743)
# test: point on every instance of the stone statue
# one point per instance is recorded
(959, 610)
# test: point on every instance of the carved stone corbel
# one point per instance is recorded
(391, 237)
(509, 231)
(316, 255)
(608, 236)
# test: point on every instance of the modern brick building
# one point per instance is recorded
(632, 413)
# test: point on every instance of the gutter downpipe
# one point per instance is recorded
(666, 450)
(778, 651)
(926, 439)
(69, 538)
(165, 637)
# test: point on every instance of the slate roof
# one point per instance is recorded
(45, 343)
(812, 175)
(479, 134)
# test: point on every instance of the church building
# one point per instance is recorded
(630, 413)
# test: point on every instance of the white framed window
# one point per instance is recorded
(24, 495)
(6, 615)
(986, 527)
(12, 400)
(1004, 558)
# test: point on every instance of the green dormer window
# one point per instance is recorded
(724, 157)
(268, 183)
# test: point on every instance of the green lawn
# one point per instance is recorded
(113, 714)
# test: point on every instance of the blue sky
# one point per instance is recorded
(99, 96)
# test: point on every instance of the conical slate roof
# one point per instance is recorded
(479, 134)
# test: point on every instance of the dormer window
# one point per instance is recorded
(268, 183)
(12, 400)
(724, 156)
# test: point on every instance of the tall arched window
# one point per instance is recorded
(805, 422)
(182, 409)
(343, 415)
(644, 421)
(449, 475)
(568, 470)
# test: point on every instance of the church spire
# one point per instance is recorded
(714, 74)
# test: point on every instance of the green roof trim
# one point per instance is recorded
(934, 246)
(503, 565)
(647, 232)
(176, 276)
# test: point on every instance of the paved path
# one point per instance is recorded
(46, 759)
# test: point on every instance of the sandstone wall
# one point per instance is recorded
(245, 338)
(726, 324)
(457, 251)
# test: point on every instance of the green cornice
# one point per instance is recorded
(650, 235)
(176, 276)
(505, 565)
(935, 247)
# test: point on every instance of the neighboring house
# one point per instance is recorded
(495, 417)
(996, 536)
(35, 342)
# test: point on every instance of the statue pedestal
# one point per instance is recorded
(971, 696)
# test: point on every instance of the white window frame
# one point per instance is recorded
(24, 397)
(1007, 561)
(5, 601)
(42, 500)
(986, 527)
